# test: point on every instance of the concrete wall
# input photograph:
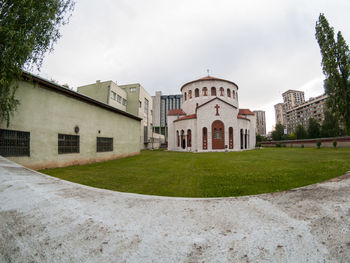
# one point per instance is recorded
(140, 94)
(46, 113)
(102, 91)
(326, 142)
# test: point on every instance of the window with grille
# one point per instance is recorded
(68, 143)
(104, 144)
(14, 143)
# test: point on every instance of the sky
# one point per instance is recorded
(265, 47)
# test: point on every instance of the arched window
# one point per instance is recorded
(183, 140)
(205, 138)
(185, 96)
(241, 133)
(190, 94)
(196, 92)
(189, 138)
(233, 94)
(213, 91)
(229, 93)
(177, 139)
(230, 137)
(205, 91)
(245, 139)
(221, 91)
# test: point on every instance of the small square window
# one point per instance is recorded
(124, 102)
(68, 143)
(104, 144)
(113, 95)
(132, 89)
(119, 99)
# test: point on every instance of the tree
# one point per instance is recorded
(277, 134)
(300, 132)
(336, 68)
(28, 29)
(330, 125)
(313, 129)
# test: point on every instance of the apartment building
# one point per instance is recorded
(313, 108)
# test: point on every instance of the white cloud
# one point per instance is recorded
(266, 47)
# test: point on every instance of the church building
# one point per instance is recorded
(210, 118)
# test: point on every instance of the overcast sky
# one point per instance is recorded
(265, 47)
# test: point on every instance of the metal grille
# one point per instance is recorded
(14, 143)
(104, 144)
(68, 143)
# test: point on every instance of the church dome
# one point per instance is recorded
(200, 91)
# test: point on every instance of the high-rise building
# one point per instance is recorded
(292, 98)
(260, 122)
(161, 105)
(313, 108)
(279, 114)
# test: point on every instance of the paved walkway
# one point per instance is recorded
(43, 219)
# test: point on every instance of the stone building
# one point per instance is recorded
(55, 126)
(260, 122)
(313, 108)
(161, 105)
(132, 98)
(210, 118)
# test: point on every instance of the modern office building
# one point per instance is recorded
(161, 105)
(260, 121)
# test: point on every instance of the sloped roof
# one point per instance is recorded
(187, 117)
(176, 112)
(242, 117)
(245, 112)
(216, 98)
(208, 78)
(44, 83)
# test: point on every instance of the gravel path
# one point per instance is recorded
(44, 219)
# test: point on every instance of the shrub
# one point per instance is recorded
(284, 145)
(302, 146)
(278, 145)
(335, 143)
(318, 143)
(258, 144)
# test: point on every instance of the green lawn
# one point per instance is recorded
(211, 174)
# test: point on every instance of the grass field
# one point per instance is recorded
(211, 174)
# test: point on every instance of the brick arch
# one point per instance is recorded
(218, 135)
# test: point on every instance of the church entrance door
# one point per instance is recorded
(218, 135)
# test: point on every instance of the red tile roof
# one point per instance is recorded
(209, 78)
(245, 112)
(187, 117)
(176, 112)
(242, 117)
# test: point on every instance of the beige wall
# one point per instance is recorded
(45, 113)
(140, 94)
(102, 91)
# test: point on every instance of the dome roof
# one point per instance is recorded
(208, 78)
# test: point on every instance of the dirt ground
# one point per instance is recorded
(44, 219)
